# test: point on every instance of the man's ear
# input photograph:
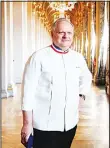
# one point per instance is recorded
(51, 33)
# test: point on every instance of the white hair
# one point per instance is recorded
(60, 20)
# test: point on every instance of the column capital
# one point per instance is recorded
(11, 90)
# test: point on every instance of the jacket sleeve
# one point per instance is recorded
(85, 78)
(30, 80)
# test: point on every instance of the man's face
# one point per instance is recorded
(62, 36)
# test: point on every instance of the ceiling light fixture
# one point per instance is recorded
(62, 6)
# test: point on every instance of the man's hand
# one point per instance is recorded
(25, 133)
(27, 128)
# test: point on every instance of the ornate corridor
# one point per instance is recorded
(26, 27)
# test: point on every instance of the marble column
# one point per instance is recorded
(47, 37)
(107, 85)
(89, 38)
(25, 52)
(97, 40)
(11, 86)
(37, 32)
(84, 37)
(4, 92)
(33, 16)
(43, 37)
(17, 42)
(82, 43)
(30, 29)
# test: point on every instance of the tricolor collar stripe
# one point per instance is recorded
(58, 51)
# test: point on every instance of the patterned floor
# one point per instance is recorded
(93, 126)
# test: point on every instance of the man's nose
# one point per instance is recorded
(65, 35)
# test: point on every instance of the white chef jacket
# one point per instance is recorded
(52, 83)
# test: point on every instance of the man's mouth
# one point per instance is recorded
(65, 40)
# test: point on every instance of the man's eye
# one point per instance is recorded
(65, 33)
(69, 33)
(61, 32)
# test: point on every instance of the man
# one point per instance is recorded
(54, 78)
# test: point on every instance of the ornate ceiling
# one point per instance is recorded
(75, 11)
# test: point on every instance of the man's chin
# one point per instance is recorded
(66, 46)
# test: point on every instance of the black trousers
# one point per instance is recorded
(53, 139)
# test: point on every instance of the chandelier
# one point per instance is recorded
(62, 6)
